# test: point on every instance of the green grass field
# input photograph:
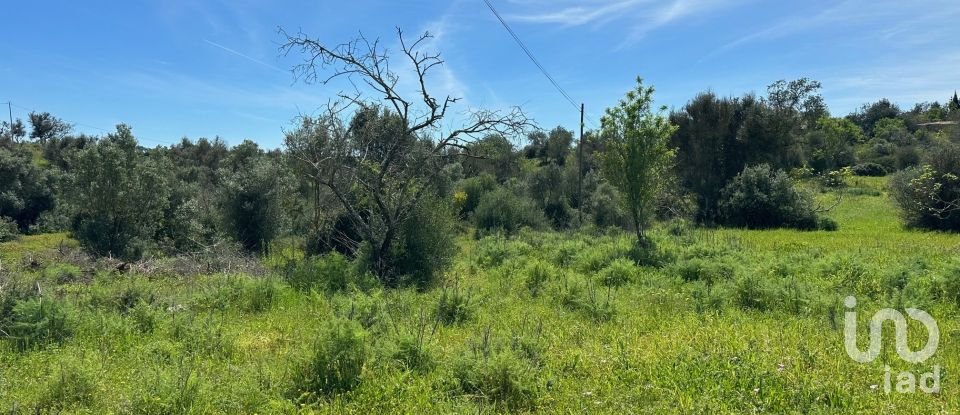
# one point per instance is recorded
(717, 321)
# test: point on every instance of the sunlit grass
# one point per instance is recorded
(763, 333)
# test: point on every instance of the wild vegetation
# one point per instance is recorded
(693, 262)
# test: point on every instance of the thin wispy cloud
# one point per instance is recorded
(244, 56)
(580, 14)
(640, 16)
(903, 81)
(891, 18)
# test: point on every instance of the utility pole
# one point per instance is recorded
(10, 112)
(580, 168)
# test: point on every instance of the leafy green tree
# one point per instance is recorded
(831, 144)
(12, 133)
(709, 150)
(118, 195)
(249, 197)
(493, 154)
(44, 126)
(637, 157)
(870, 114)
(893, 130)
(552, 147)
(26, 190)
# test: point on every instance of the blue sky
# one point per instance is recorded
(205, 68)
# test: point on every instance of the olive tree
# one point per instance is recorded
(379, 163)
(118, 194)
(637, 157)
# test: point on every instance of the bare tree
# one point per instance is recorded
(379, 164)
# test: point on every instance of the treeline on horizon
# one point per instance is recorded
(394, 200)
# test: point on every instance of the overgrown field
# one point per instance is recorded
(714, 321)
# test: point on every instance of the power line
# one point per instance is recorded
(530, 55)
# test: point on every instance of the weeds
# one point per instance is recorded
(336, 363)
(454, 305)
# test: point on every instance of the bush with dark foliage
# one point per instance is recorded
(762, 198)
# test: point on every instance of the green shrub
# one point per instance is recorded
(586, 298)
(413, 354)
(929, 196)
(651, 254)
(761, 198)
(8, 229)
(597, 257)
(474, 188)
(752, 292)
(605, 208)
(259, 295)
(620, 272)
(869, 170)
(365, 309)
(332, 272)
(244, 293)
(144, 317)
(26, 190)
(949, 283)
(426, 246)
(564, 254)
(492, 251)
(790, 295)
(37, 322)
(835, 179)
(502, 379)
(453, 305)
(69, 388)
(827, 224)
(502, 210)
(62, 273)
(202, 337)
(710, 271)
(250, 201)
(336, 363)
(707, 297)
(122, 296)
(537, 274)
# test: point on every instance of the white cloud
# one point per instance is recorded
(579, 14)
(643, 16)
(906, 82)
(893, 21)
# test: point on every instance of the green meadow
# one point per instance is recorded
(713, 321)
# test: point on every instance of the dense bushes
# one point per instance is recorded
(249, 200)
(26, 191)
(929, 196)
(869, 170)
(502, 210)
(472, 189)
(760, 198)
(331, 272)
(119, 195)
(8, 229)
(426, 245)
(34, 322)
